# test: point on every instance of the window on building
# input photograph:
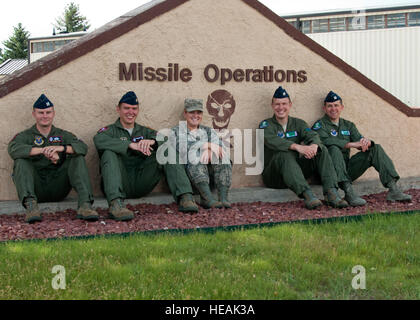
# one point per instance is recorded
(376, 22)
(337, 24)
(414, 19)
(48, 46)
(59, 44)
(356, 23)
(396, 20)
(293, 23)
(320, 25)
(306, 26)
(37, 47)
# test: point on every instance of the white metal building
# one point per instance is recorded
(40, 47)
(382, 43)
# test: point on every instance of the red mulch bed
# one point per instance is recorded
(166, 217)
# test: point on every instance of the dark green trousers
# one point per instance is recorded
(52, 184)
(287, 169)
(353, 168)
(137, 178)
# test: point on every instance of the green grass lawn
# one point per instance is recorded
(296, 261)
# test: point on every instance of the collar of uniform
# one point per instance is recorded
(35, 130)
(289, 122)
(328, 120)
(119, 125)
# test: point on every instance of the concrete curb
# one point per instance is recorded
(244, 195)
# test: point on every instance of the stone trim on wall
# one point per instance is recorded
(124, 24)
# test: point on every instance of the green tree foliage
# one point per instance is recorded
(16, 47)
(71, 20)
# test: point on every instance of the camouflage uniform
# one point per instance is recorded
(220, 173)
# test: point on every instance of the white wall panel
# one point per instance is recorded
(389, 57)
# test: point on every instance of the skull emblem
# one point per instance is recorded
(221, 106)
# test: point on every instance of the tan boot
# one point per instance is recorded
(311, 202)
(351, 196)
(395, 193)
(32, 211)
(334, 200)
(187, 203)
(207, 199)
(119, 212)
(223, 197)
(86, 212)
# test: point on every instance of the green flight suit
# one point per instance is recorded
(286, 168)
(127, 173)
(39, 178)
(350, 168)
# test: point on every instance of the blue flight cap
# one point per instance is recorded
(43, 103)
(280, 93)
(130, 98)
(332, 97)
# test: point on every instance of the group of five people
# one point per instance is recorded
(49, 162)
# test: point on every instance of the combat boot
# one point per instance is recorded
(187, 203)
(351, 196)
(223, 197)
(207, 199)
(119, 212)
(333, 199)
(86, 212)
(32, 211)
(395, 194)
(311, 202)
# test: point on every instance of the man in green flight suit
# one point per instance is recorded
(48, 162)
(340, 135)
(129, 166)
(287, 161)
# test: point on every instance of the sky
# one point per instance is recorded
(38, 16)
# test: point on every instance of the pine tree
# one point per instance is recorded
(16, 47)
(71, 20)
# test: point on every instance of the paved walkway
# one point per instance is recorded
(253, 194)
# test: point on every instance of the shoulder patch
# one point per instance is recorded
(103, 129)
(264, 124)
(317, 126)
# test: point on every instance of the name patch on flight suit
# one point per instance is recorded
(291, 134)
(345, 133)
(137, 139)
(334, 132)
(39, 141)
(55, 139)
